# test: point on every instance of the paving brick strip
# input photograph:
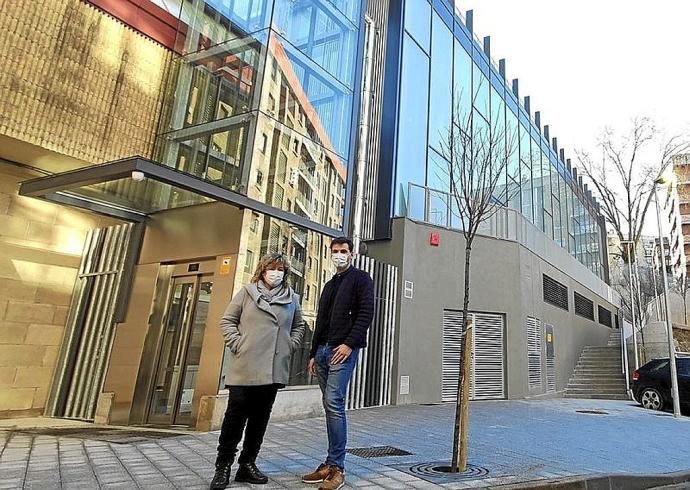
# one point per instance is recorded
(537, 444)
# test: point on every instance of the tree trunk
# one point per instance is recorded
(455, 463)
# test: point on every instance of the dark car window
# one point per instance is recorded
(683, 365)
(657, 365)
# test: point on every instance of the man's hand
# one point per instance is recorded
(340, 354)
(312, 367)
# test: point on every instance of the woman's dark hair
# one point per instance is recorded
(343, 240)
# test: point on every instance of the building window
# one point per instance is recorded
(259, 177)
(306, 293)
(555, 293)
(264, 142)
(605, 317)
(249, 263)
(254, 226)
(584, 307)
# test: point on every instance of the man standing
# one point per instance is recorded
(346, 309)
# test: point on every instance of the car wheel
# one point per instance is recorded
(651, 399)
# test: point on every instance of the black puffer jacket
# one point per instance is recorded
(351, 315)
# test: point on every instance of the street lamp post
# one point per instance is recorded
(669, 324)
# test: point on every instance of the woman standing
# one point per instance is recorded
(262, 326)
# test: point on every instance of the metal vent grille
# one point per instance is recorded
(377, 451)
(488, 370)
(555, 293)
(534, 334)
(550, 374)
(487, 379)
(605, 317)
(584, 306)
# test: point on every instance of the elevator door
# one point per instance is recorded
(180, 351)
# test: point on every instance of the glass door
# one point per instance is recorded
(180, 351)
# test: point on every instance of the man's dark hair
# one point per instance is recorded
(341, 241)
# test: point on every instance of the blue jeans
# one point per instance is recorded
(333, 380)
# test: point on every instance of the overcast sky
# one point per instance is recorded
(586, 64)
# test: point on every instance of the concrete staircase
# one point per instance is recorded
(599, 373)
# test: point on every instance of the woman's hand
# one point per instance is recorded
(312, 366)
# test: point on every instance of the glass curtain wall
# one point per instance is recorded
(434, 101)
(260, 101)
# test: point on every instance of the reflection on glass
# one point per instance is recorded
(514, 194)
(480, 93)
(418, 21)
(297, 175)
(210, 22)
(439, 203)
(462, 84)
(539, 195)
(308, 91)
(320, 32)
(438, 172)
(416, 201)
(147, 196)
(191, 365)
(414, 93)
(217, 83)
(441, 93)
(170, 360)
(514, 152)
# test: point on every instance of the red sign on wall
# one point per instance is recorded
(434, 239)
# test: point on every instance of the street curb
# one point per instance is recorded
(614, 481)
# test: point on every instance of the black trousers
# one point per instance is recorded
(248, 406)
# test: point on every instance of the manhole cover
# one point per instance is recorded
(377, 451)
(440, 471)
(593, 412)
(116, 436)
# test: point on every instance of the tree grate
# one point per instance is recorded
(377, 452)
(439, 472)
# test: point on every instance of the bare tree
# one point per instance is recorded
(477, 157)
(624, 175)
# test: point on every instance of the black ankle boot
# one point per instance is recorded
(221, 478)
(249, 473)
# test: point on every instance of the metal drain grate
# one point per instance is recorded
(439, 472)
(593, 412)
(116, 436)
(377, 452)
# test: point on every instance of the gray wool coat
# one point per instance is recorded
(261, 336)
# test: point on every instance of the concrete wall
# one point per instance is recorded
(505, 278)
(40, 251)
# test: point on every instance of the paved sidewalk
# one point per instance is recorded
(510, 441)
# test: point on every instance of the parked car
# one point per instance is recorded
(651, 384)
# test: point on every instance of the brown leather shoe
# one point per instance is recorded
(334, 481)
(319, 475)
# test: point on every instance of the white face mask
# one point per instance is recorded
(273, 277)
(340, 260)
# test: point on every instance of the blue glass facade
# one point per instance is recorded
(425, 42)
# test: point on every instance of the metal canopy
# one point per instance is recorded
(110, 189)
